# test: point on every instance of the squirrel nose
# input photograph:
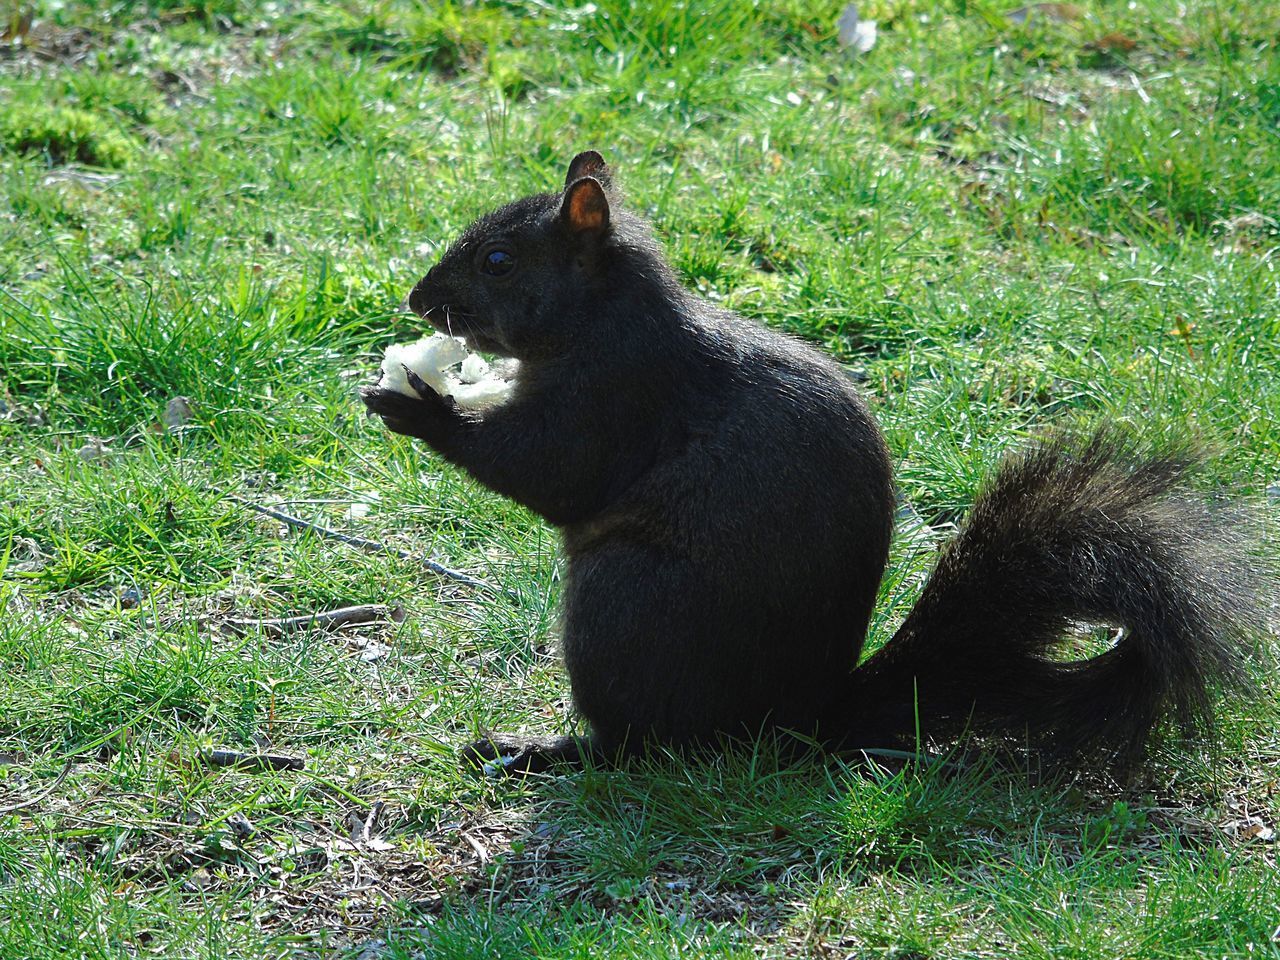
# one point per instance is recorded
(418, 302)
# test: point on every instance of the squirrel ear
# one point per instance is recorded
(585, 206)
(588, 164)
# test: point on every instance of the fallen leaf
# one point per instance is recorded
(1257, 830)
(373, 844)
(176, 414)
(19, 25)
(26, 554)
(373, 650)
(481, 852)
(854, 33)
(94, 449)
(198, 879)
(1246, 221)
(240, 826)
(1112, 43)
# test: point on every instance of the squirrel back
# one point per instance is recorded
(726, 500)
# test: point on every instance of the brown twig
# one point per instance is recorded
(252, 761)
(372, 546)
(325, 620)
(371, 821)
(57, 781)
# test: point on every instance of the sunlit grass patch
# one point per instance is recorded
(997, 223)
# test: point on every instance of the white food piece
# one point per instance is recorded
(428, 358)
(431, 359)
(477, 396)
(474, 369)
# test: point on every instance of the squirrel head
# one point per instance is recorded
(519, 282)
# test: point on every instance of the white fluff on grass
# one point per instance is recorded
(431, 358)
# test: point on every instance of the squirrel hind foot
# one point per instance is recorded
(501, 754)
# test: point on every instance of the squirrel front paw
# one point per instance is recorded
(422, 416)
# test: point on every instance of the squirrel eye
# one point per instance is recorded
(498, 262)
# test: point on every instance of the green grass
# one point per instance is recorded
(996, 226)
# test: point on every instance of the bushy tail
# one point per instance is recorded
(1090, 530)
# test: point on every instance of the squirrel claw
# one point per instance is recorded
(424, 389)
(396, 404)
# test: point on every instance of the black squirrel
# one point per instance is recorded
(726, 503)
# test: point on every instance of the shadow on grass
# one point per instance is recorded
(728, 852)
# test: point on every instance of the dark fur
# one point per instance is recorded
(726, 501)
